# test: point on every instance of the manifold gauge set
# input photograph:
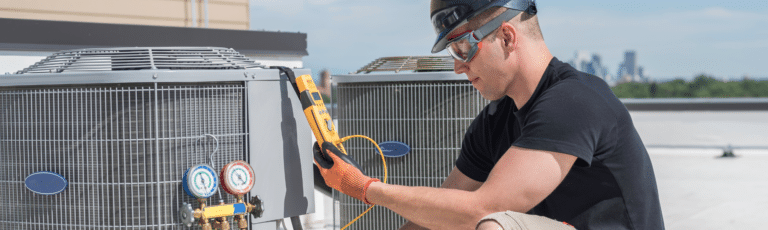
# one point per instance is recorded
(201, 182)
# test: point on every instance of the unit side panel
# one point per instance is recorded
(280, 150)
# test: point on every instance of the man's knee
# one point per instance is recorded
(489, 225)
(510, 220)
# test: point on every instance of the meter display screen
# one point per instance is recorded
(316, 96)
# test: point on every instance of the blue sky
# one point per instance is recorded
(727, 39)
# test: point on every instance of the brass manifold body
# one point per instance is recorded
(219, 213)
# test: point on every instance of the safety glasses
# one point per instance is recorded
(464, 46)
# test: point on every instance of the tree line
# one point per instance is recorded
(701, 86)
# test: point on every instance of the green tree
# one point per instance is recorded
(675, 88)
(701, 86)
(754, 88)
(653, 89)
(702, 81)
(631, 90)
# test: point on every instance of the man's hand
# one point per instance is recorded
(341, 172)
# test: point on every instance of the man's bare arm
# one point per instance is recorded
(456, 180)
(521, 179)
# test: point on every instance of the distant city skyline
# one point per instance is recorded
(630, 69)
(673, 39)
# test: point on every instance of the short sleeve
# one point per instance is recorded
(568, 119)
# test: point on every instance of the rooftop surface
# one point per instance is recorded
(699, 190)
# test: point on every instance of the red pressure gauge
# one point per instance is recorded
(237, 178)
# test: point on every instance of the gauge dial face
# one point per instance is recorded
(201, 181)
(237, 177)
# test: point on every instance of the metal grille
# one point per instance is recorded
(123, 150)
(414, 63)
(430, 116)
(175, 58)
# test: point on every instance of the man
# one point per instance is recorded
(555, 142)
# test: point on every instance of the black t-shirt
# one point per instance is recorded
(611, 185)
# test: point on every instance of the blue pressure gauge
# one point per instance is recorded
(200, 181)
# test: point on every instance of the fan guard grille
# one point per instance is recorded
(140, 58)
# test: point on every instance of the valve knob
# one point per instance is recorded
(258, 206)
(186, 213)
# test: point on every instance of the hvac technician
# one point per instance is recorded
(555, 142)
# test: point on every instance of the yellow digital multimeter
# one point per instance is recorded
(314, 109)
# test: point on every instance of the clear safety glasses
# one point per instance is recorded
(464, 46)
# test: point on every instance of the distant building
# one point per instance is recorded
(628, 70)
(596, 68)
(324, 85)
(591, 64)
(39, 28)
(629, 65)
(227, 14)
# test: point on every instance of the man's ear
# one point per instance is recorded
(509, 36)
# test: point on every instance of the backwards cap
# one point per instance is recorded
(446, 15)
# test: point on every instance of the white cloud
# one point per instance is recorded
(357, 15)
(717, 12)
(321, 2)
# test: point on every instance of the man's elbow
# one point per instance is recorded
(492, 203)
(476, 206)
(521, 201)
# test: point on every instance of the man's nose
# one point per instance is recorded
(459, 67)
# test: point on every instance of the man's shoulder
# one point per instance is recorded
(569, 84)
(565, 75)
(575, 93)
(569, 79)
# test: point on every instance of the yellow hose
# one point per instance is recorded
(383, 161)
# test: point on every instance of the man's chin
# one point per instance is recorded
(487, 95)
(491, 97)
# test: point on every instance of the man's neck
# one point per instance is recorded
(533, 62)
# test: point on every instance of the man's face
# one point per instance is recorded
(485, 69)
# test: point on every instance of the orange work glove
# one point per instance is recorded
(341, 172)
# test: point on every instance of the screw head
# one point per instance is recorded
(154, 76)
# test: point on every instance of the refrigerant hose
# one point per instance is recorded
(383, 161)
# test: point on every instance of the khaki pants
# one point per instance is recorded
(510, 220)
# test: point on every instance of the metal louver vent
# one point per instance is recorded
(122, 149)
(172, 58)
(412, 63)
(429, 111)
